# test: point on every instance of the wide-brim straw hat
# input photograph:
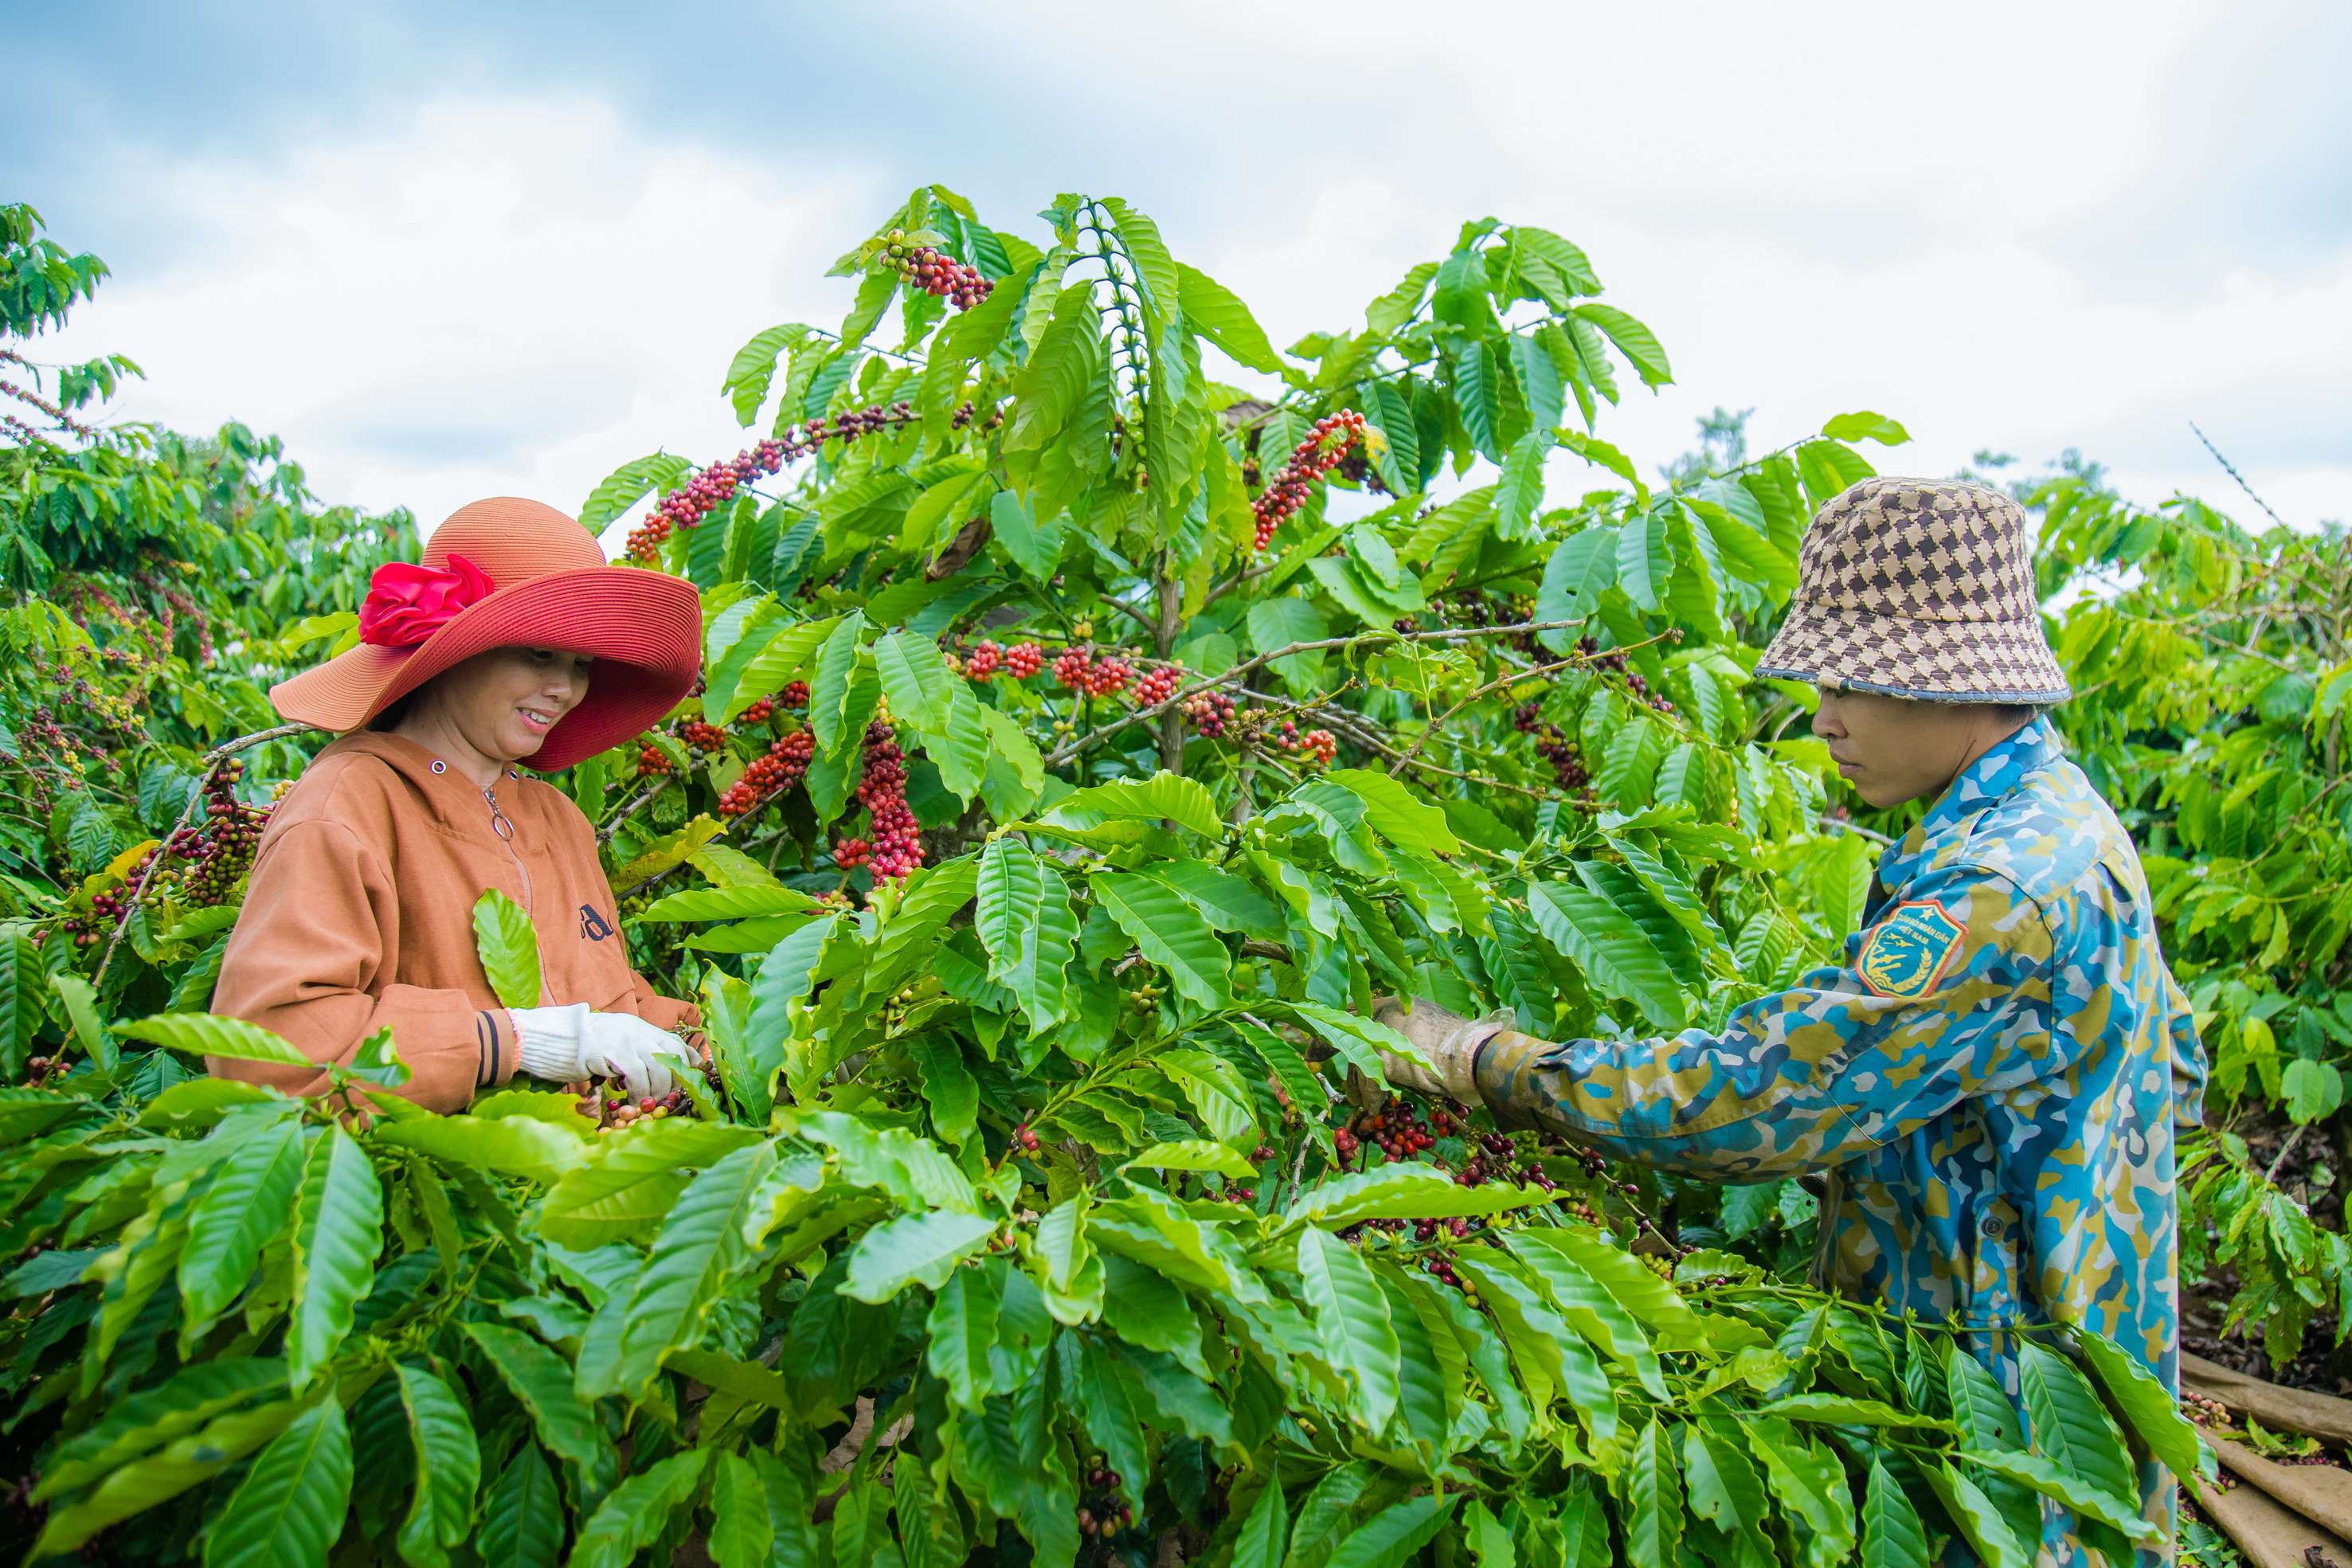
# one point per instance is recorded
(507, 572)
(1920, 589)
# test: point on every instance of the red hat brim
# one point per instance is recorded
(644, 629)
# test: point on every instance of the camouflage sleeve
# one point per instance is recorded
(1946, 994)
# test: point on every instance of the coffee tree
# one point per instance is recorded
(1083, 742)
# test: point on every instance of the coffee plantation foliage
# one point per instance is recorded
(1085, 741)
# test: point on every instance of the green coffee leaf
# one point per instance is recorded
(1838, 1410)
(180, 1464)
(634, 1515)
(963, 1325)
(1614, 953)
(1171, 933)
(1184, 801)
(522, 1514)
(2044, 1476)
(247, 1204)
(2069, 1425)
(508, 949)
(829, 698)
(338, 1232)
(1193, 1154)
(2155, 1416)
(1396, 813)
(542, 1382)
(203, 1034)
(630, 1180)
(1263, 1532)
(915, 679)
(525, 1146)
(701, 1243)
(1351, 1314)
(1407, 1191)
(191, 1397)
(915, 1248)
(23, 979)
(735, 903)
(1981, 1523)
(1391, 1537)
(1892, 1536)
(742, 1535)
(289, 1508)
(448, 1468)
(1654, 1493)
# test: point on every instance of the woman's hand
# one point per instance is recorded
(568, 1044)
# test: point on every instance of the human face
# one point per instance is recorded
(1893, 749)
(498, 707)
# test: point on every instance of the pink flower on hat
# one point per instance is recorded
(406, 604)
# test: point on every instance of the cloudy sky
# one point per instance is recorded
(456, 250)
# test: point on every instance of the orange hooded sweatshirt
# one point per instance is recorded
(359, 914)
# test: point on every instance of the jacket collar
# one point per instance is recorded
(455, 801)
(1989, 780)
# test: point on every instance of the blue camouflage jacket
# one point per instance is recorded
(1992, 1081)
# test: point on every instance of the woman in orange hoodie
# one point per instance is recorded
(514, 642)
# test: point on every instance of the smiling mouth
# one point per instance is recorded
(535, 719)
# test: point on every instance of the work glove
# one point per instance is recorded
(566, 1045)
(1451, 1044)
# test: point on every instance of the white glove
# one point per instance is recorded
(1450, 1043)
(568, 1044)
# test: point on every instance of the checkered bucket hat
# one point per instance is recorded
(1918, 587)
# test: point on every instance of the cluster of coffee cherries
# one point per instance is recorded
(786, 764)
(716, 486)
(1079, 671)
(1493, 1162)
(1396, 1129)
(795, 694)
(652, 763)
(1309, 462)
(1614, 662)
(1439, 1267)
(1025, 1138)
(1021, 661)
(1555, 745)
(1317, 747)
(201, 865)
(1106, 1516)
(614, 1109)
(702, 737)
(935, 272)
(2204, 1412)
(1158, 685)
(897, 847)
(40, 1067)
(759, 712)
(1209, 712)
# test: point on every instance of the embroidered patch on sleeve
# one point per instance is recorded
(1908, 952)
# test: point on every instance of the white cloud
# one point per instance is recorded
(1818, 209)
(510, 296)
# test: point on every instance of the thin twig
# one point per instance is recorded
(1843, 826)
(2271, 1175)
(1232, 676)
(604, 834)
(211, 760)
(1514, 678)
(2231, 469)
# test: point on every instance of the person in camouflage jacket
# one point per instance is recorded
(1991, 1080)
